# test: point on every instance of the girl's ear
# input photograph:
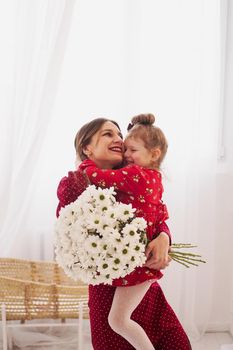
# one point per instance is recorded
(156, 153)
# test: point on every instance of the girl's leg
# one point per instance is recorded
(125, 300)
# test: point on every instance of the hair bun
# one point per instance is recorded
(146, 119)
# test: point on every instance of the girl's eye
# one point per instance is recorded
(130, 150)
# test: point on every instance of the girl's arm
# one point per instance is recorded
(127, 179)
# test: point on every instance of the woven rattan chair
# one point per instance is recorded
(39, 290)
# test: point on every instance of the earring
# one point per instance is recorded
(87, 153)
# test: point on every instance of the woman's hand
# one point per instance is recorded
(157, 252)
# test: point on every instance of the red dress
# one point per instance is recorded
(154, 314)
(142, 188)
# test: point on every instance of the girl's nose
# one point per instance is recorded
(126, 153)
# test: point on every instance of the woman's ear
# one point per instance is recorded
(87, 151)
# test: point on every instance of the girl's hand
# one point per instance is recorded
(157, 252)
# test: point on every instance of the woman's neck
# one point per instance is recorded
(103, 165)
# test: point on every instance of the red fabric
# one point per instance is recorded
(70, 188)
(139, 186)
(142, 188)
(154, 313)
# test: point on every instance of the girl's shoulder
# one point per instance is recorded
(135, 167)
(145, 175)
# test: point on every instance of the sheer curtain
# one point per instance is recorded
(125, 58)
(38, 37)
(180, 69)
(172, 68)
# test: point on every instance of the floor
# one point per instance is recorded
(214, 341)
(65, 338)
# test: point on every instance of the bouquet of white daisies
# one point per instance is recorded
(98, 239)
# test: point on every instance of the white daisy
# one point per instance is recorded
(98, 239)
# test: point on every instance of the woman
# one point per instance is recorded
(153, 313)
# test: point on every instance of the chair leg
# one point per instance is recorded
(80, 326)
(4, 332)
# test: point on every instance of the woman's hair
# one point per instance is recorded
(142, 127)
(85, 134)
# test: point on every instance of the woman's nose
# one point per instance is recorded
(118, 139)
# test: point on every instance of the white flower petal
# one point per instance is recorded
(98, 239)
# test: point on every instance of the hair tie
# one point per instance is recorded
(130, 126)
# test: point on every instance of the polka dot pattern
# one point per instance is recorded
(154, 314)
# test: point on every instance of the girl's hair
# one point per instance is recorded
(142, 127)
(85, 134)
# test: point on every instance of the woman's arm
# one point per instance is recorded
(157, 252)
(70, 187)
(161, 225)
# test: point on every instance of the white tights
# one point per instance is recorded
(125, 301)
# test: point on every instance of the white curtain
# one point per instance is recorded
(172, 66)
(38, 37)
(178, 67)
(123, 58)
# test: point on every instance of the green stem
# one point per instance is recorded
(186, 261)
(183, 245)
(180, 262)
(184, 253)
(187, 258)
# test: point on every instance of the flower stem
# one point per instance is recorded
(180, 262)
(185, 258)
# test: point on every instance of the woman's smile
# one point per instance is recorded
(118, 149)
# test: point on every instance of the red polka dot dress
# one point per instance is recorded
(153, 313)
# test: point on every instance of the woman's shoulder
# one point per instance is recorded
(73, 179)
(85, 163)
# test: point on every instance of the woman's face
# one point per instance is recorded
(106, 146)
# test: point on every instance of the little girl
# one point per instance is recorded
(138, 183)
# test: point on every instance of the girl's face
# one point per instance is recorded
(106, 147)
(137, 153)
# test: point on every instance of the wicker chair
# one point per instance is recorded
(39, 290)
